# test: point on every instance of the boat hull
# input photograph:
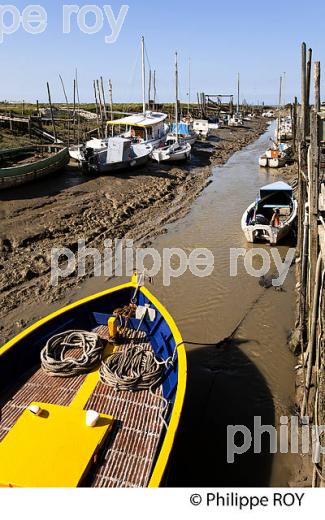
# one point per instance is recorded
(267, 233)
(22, 354)
(163, 155)
(22, 174)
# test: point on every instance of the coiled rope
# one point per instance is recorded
(133, 368)
(53, 356)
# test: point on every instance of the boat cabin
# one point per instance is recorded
(141, 127)
(275, 196)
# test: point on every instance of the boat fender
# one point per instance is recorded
(92, 418)
(34, 409)
(112, 327)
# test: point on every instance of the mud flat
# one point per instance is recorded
(57, 212)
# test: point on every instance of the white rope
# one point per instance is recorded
(133, 368)
(56, 363)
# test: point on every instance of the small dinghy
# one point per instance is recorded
(277, 156)
(173, 151)
(22, 165)
(120, 154)
(92, 394)
(271, 217)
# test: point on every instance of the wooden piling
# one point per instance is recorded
(51, 109)
(317, 102)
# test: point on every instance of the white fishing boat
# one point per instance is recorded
(236, 120)
(201, 128)
(284, 129)
(174, 149)
(147, 127)
(120, 154)
(276, 156)
(272, 215)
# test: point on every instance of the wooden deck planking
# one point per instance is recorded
(127, 458)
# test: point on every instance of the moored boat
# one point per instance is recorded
(71, 419)
(22, 165)
(272, 216)
(277, 156)
(120, 154)
(175, 148)
(172, 152)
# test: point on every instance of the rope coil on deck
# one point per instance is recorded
(132, 369)
(53, 355)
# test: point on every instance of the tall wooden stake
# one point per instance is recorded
(51, 109)
(317, 86)
(103, 94)
(97, 108)
(303, 93)
(67, 105)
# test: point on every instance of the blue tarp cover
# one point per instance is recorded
(182, 128)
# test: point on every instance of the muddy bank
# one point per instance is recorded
(57, 212)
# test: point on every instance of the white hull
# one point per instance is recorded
(263, 161)
(267, 233)
(172, 153)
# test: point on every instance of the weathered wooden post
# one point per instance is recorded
(302, 160)
(294, 126)
(308, 77)
(317, 86)
(103, 94)
(51, 109)
(314, 178)
(97, 109)
(303, 93)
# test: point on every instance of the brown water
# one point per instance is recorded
(252, 375)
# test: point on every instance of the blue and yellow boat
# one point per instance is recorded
(78, 429)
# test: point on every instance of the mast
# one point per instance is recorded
(149, 89)
(176, 89)
(154, 88)
(238, 92)
(279, 109)
(189, 86)
(143, 76)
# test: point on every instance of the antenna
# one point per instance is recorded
(143, 76)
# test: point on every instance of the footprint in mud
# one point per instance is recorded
(5, 245)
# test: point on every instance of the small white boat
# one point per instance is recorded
(201, 128)
(272, 215)
(176, 151)
(284, 130)
(236, 120)
(276, 157)
(120, 154)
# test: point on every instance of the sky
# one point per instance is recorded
(261, 40)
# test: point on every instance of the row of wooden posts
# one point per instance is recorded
(308, 146)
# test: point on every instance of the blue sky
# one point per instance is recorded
(259, 39)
